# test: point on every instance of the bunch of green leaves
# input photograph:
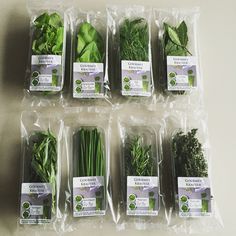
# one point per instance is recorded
(188, 155)
(134, 39)
(90, 45)
(89, 152)
(138, 157)
(48, 34)
(176, 40)
(43, 166)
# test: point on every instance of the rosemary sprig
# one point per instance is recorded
(138, 156)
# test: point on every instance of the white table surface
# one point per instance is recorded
(217, 28)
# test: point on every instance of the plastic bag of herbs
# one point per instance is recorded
(40, 171)
(178, 52)
(89, 78)
(45, 71)
(87, 143)
(130, 49)
(192, 207)
(140, 202)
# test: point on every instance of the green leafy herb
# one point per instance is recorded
(138, 158)
(43, 165)
(48, 34)
(176, 40)
(90, 45)
(188, 155)
(134, 40)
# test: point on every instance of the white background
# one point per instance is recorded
(218, 58)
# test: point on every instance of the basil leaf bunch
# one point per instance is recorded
(89, 152)
(134, 39)
(43, 164)
(138, 157)
(90, 45)
(48, 34)
(188, 155)
(176, 40)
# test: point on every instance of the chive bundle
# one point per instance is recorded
(89, 153)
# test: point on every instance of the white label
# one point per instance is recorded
(45, 79)
(137, 181)
(135, 65)
(195, 203)
(142, 202)
(36, 210)
(93, 181)
(88, 67)
(181, 60)
(88, 86)
(136, 84)
(38, 188)
(193, 182)
(182, 79)
(46, 60)
(89, 202)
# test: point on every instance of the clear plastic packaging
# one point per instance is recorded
(192, 206)
(45, 72)
(130, 49)
(88, 195)
(41, 171)
(140, 203)
(179, 66)
(89, 55)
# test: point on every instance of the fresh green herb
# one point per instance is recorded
(134, 40)
(89, 154)
(188, 155)
(90, 45)
(48, 34)
(44, 161)
(176, 40)
(138, 157)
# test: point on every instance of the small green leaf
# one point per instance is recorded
(174, 36)
(183, 33)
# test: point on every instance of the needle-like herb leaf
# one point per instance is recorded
(138, 158)
(134, 39)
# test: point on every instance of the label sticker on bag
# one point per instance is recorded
(194, 195)
(88, 196)
(181, 73)
(136, 78)
(142, 196)
(46, 73)
(36, 203)
(88, 80)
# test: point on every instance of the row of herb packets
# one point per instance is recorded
(67, 182)
(112, 54)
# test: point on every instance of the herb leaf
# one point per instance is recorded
(48, 34)
(134, 40)
(173, 36)
(43, 164)
(139, 160)
(188, 155)
(183, 33)
(90, 45)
